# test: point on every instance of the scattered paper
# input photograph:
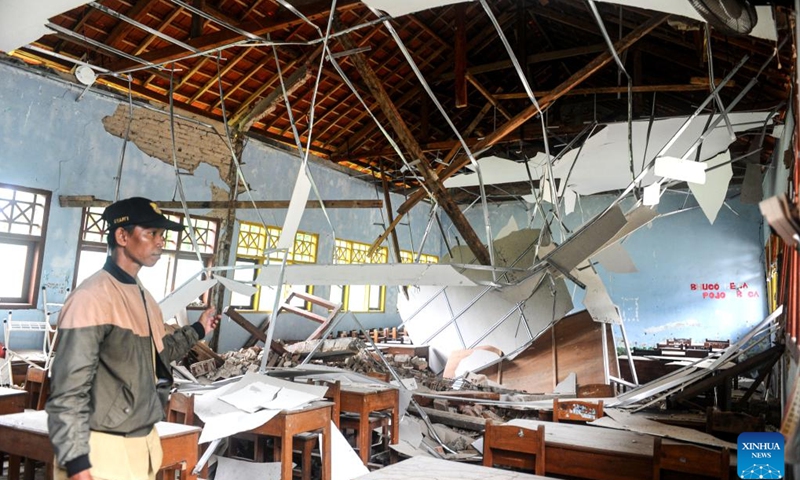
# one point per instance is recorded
(252, 397)
(233, 469)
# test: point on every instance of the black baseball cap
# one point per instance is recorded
(137, 211)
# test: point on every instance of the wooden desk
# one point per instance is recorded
(596, 453)
(25, 435)
(287, 424)
(364, 400)
(12, 400)
(419, 468)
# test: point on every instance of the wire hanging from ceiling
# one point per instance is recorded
(118, 178)
(413, 64)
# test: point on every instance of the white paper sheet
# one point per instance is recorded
(223, 419)
(183, 296)
(297, 206)
(233, 469)
(252, 397)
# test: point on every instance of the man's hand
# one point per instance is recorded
(209, 319)
(84, 475)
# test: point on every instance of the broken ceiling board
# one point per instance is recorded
(470, 360)
(623, 420)
(634, 220)
(297, 205)
(609, 167)
(184, 295)
(517, 250)
(429, 310)
(497, 171)
(765, 27)
(365, 274)
(711, 195)
(597, 301)
(586, 241)
(398, 9)
(579, 350)
(23, 21)
(615, 258)
(752, 187)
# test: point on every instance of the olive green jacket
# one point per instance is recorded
(104, 370)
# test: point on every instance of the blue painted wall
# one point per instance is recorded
(672, 254)
(50, 141)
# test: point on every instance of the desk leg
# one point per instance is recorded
(286, 455)
(395, 424)
(13, 467)
(364, 441)
(326, 452)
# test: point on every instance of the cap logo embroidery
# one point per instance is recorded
(155, 207)
(121, 219)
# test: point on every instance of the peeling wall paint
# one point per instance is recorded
(48, 140)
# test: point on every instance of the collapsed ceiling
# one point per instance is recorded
(249, 51)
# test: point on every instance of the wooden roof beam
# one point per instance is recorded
(409, 143)
(570, 83)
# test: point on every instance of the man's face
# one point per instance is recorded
(143, 245)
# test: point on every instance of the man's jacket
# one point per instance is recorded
(104, 370)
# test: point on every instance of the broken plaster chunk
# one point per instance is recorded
(402, 358)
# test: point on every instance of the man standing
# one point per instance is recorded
(111, 376)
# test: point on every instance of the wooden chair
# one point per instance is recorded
(180, 409)
(685, 458)
(377, 420)
(515, 447)
(576, 410)
(304, 443)
(37, 384)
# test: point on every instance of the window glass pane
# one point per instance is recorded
(266, 299)
(374, 298)
(357, 298)
(156, 279)
(89, 262)
(336, 294)
(243, 275)
(15, 259)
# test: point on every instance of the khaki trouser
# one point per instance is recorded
(114, 457)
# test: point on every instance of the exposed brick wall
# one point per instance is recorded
(150, 131)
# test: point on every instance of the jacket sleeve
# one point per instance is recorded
(178, 343)
(69, 404)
